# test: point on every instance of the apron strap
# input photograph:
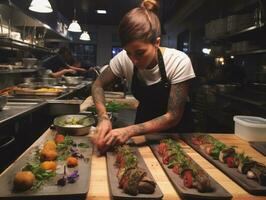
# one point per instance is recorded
(162, 69)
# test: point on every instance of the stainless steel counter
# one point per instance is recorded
(20, 105)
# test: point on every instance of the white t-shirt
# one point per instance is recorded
(178, 67)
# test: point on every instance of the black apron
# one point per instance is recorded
(153, 100)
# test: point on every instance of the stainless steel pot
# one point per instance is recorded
(74, 124)
(73, 80)
(44, 80)
(50, 81)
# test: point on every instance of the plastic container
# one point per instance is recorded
(250, 128)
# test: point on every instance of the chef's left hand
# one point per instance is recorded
(116, 137)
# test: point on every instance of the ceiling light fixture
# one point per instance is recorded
(41, 6)
(85, 36)
(74, 26)
(103, 12)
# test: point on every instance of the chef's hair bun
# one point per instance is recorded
(151, 5)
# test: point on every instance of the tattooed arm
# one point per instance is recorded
(103, 80)
(104, 125)
(176, 103)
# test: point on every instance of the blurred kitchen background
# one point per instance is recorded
(225, 40)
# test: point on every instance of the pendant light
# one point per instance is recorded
(41, 6)
(74, 26)
(85, 36)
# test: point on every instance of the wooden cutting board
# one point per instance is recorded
(114, 95)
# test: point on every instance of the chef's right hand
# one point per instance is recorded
(103, 128)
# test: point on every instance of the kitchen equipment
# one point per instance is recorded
(74, 124)
(114, 95)
(38, 91)
(3, 101)
(49, 81)
(29, 62)
(250, 128)
(30, 80)
(63, 107)
(42, 81)
(73, 80)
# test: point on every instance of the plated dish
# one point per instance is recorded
(129, 177)
(58, 166)
(248, 173)
(187, 177)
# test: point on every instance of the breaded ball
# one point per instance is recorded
(23, 180)
(48, 165)
(50, 145)
(48, 155)
(59, 138)
(72, 161)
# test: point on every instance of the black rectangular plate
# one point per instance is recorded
(191, 193)
(118, 193)
(49, 190)
(259, 146)
(251, 186)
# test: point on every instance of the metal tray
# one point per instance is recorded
(251, 186)
(49, 190)
(191, 193)
(118, 193)
(34, 92)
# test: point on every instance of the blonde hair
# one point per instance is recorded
(141, 23)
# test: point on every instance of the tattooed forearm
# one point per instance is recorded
(157, 124)
(178, 99)
(138, 129)
(105, 78)
(97, 94)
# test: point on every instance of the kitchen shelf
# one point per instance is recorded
(259, 103)
(16, 44)
(238, 35)
(246, 30)
(258, 51)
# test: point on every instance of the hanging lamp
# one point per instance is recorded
(85, 36)
(74, 26)
(41, 6)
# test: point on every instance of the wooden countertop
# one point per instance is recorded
(99, 190)
(99, 183)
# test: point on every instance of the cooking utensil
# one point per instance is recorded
(74, 124)
(73, 80)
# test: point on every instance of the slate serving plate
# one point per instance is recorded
(49, 190)
(251, 186)
(118, 193)
(191, 193)
(259, 146)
